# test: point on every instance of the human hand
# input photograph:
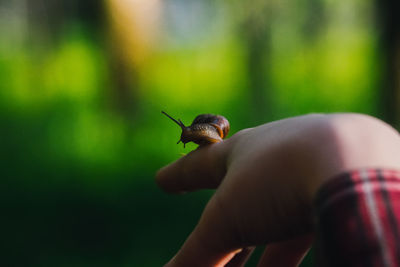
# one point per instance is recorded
(266, 178)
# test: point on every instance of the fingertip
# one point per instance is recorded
(240, 259)
(200, 169)
(159, 177)
(165, 182)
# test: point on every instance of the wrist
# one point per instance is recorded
(352, 142)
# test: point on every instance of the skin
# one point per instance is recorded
(266, 179)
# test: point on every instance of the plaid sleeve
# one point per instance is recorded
(358, 219)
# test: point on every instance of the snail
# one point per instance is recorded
(205, 129)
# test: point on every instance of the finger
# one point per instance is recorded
(200, 169)
(240, 258)
(212, 242)
(288, 253)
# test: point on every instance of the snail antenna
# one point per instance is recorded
(180, 123)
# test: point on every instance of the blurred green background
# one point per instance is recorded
(82, 84)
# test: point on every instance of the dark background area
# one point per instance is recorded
(82, 84)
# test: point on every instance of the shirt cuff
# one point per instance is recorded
(358, 216)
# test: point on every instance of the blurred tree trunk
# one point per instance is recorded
(133, 28)
(256, 20)
(49, 18)
(314, 20)
(123, 97)
(389, 19)
(122, 94)
(257, 43)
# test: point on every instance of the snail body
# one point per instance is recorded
(205, 129)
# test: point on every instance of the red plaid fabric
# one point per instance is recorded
(358, 219)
